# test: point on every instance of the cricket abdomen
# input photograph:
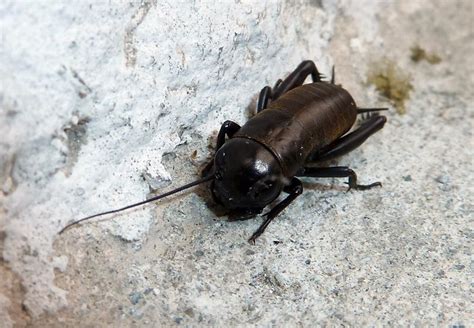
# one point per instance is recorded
(301, 121)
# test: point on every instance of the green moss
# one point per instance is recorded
(418, 54)
(392, 83)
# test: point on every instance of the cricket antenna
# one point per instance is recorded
(166, 194)
(369, 110)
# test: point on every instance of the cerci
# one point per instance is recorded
(297, 128)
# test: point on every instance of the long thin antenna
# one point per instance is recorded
(368, 110)
(189, 185)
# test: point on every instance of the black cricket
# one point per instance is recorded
(297, 128)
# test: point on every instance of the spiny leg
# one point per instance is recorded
(266, 95)
(350, 141)
(295, 79)
(277, 84)
(294, 189)
(367, 113)
(263, 98)
(228, 128)
(336, 172)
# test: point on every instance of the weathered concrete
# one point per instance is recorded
(103, 102)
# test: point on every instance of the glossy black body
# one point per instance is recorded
(297, 127)
(303, 120)
(260, 159)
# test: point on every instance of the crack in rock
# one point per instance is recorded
(129, 45)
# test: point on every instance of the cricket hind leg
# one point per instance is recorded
(264, 97)
(295, 79)
(336, 172)
(348, 142)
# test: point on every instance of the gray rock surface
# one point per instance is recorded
(102, 103)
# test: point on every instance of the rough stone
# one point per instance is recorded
(102, 103)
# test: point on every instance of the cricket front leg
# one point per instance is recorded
(294, 189)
